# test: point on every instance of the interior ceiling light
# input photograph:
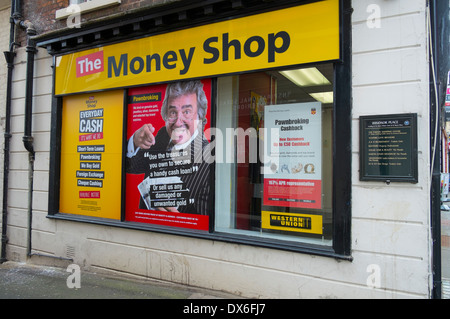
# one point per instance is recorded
(306, 77)
(324, 97)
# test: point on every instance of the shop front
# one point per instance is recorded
(269, 149)
(227, 135)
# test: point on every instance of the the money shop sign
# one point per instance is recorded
(297, 35)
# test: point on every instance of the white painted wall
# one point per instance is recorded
(390, 223)
(390, 75)
(5, 12)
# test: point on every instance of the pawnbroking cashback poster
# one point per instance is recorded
(293, 176)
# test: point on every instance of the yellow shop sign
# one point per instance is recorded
(303, 34)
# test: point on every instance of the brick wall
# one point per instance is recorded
(42, 13)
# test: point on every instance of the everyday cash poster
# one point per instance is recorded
(292, 176)
(167, 178)
(91, 154)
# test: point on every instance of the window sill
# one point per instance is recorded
(314, 250)
(85, 7)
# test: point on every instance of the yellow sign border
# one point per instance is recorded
(314, 36)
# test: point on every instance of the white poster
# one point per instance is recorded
(294, 140)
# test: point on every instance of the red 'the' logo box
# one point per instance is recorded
(90, 64)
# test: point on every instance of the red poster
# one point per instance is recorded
(168, 180)
(293, 193)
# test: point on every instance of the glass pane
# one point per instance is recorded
(274, 154)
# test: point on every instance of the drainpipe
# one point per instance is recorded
(17, 20)
(31, 51)
(9, 56)
(28, 138)
(440, 65)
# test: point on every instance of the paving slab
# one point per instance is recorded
(25, 281)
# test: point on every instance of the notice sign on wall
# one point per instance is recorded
(91, 154)
(389, 148)
(293, 175)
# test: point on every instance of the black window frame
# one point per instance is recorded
(342, 161)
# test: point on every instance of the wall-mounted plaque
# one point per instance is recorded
(388, 146)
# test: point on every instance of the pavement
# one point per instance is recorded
(34, 281)
(27, 281)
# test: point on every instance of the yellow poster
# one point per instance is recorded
(297, 35)
(91, 154)
(303, 223)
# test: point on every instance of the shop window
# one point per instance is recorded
(277, 182)
(265, 159)
(248, 156)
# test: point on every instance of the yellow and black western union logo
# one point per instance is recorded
(292, 222)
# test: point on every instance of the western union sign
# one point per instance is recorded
(303, 34)
(292, 222)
